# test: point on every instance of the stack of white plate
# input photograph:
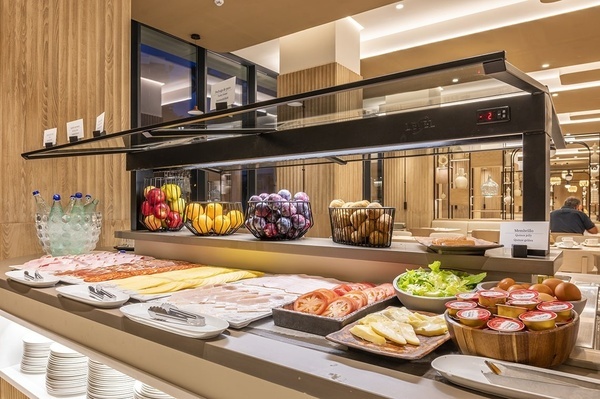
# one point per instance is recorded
(36, 349)
(145, 391)
(66, 373)
(105, 382)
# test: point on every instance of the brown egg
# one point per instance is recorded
(552, 282)
(526, 285)
(567, 292)
(496, 288)
(542, 288)
(515, 287)
(505, 283)
(542, 296)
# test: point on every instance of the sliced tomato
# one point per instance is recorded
(388, 288)
(372, 294)
(330, 294)
(341, 289)
(359, 297)
(339, 307)
(360, 286)
(313, 302)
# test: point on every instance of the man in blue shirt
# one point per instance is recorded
(570, 219)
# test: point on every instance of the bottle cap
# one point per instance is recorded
(36, 192)
(56, 197)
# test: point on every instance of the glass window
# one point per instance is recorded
(266, 89)
(167, 68)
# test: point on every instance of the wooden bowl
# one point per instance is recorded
(536, 348)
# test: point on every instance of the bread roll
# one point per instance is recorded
(454, 241)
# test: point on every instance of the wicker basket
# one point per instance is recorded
(366, 227)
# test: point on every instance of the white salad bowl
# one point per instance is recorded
(424, 303)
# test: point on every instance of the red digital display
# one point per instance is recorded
(492, 115)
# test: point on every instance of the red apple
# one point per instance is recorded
(156, 196)
(146, 208)
(173, 220)
(161, 210)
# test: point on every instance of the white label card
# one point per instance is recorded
(50, 136)
(75, 129)
(533, 234)
(222, 92)
(100, 122)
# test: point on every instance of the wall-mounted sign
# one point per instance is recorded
(222, 93)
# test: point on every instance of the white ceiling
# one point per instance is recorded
(422, 22)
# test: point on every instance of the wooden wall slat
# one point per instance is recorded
(62, 60)
(321, 182)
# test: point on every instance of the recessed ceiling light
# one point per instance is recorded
(554, 94)
(399, 6)
(455, 80)
(545, 65)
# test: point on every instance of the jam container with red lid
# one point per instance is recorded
(537, 320)
(523, 294)
(467, 296)
(561, 308)
(473, 317)
(505, 325)
(455, 306)
(489, 298)
(529, 304)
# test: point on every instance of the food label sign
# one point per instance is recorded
(222, 92)
(533, 234)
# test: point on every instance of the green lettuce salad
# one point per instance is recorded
(436, 282)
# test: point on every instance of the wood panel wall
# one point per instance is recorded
(7, 391)
(322, 183)
(62, 60)
(410, 180)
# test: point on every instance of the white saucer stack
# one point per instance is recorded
(36, 349)
(145, 391)
(105, 382)
(66, 373)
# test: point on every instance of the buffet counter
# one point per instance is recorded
(261, 360)
(258, 361)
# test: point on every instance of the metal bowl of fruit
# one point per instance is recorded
(162, 204)
(214, 218)
(279, 216)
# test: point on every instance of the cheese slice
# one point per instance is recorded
(407, 332)
(366, 332)
(386, 330)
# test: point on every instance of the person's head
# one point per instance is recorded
(572, 202)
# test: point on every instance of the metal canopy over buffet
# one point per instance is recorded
(472, 104)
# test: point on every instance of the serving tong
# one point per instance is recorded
(551, 384)
(170, 313)
(36, 276)
(99, 293)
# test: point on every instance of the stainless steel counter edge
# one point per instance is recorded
(234, 364)
(321, 256)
